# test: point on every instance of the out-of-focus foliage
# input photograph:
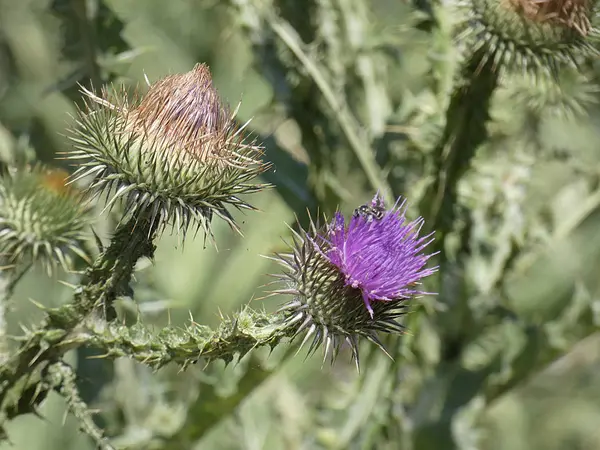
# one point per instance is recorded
(349, 97)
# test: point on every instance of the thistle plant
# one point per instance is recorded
(500, 40)
(462, 113)
(177, 157)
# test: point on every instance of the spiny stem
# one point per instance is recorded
(465, 131)
(235, 336)
(109, 277)
(104, 281)
(62, 379)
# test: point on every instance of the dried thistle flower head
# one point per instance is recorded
(530, 36)
(574, 14)
(175, 155)
(183, 113)
(353, 279)
(41, 218)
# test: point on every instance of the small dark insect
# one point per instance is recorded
(370, 211)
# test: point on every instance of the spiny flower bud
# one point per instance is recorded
(41, 218)
(353, 279)
(175, 155)
(534, 36)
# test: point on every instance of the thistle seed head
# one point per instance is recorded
(353, 279)
(175, 155)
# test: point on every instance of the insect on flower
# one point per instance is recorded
(374, 210)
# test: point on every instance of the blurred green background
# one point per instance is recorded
(344, 94)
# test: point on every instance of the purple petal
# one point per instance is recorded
(381, 257)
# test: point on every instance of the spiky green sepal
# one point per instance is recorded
(324, 310)
(520, 41)
(176, 155)
(41, 219)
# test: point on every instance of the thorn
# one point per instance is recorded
(35, 358)
(105, 355)
(327, 339)
(351, 340)
(192, 321)
(65, 415)
(67, 284)
(38, 304)
(379, 344)
(98, 241)
(308, 334)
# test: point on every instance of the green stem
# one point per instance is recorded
(465, 131)
(235, 336)
(62, 379)
(360, 145)
(214, 407)
(254, 16)
(104, 281)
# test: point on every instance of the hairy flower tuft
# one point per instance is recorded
(378, 253)
(175, 155)
(353, 279)
(41, 218)
(574, 14)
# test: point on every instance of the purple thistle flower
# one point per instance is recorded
(333, 272)
(379, 253)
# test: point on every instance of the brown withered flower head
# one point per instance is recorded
(176, 154)
(574, 14)
(536, 37)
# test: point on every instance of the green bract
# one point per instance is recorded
(41, 219)
(175, 155)
(529, 36)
